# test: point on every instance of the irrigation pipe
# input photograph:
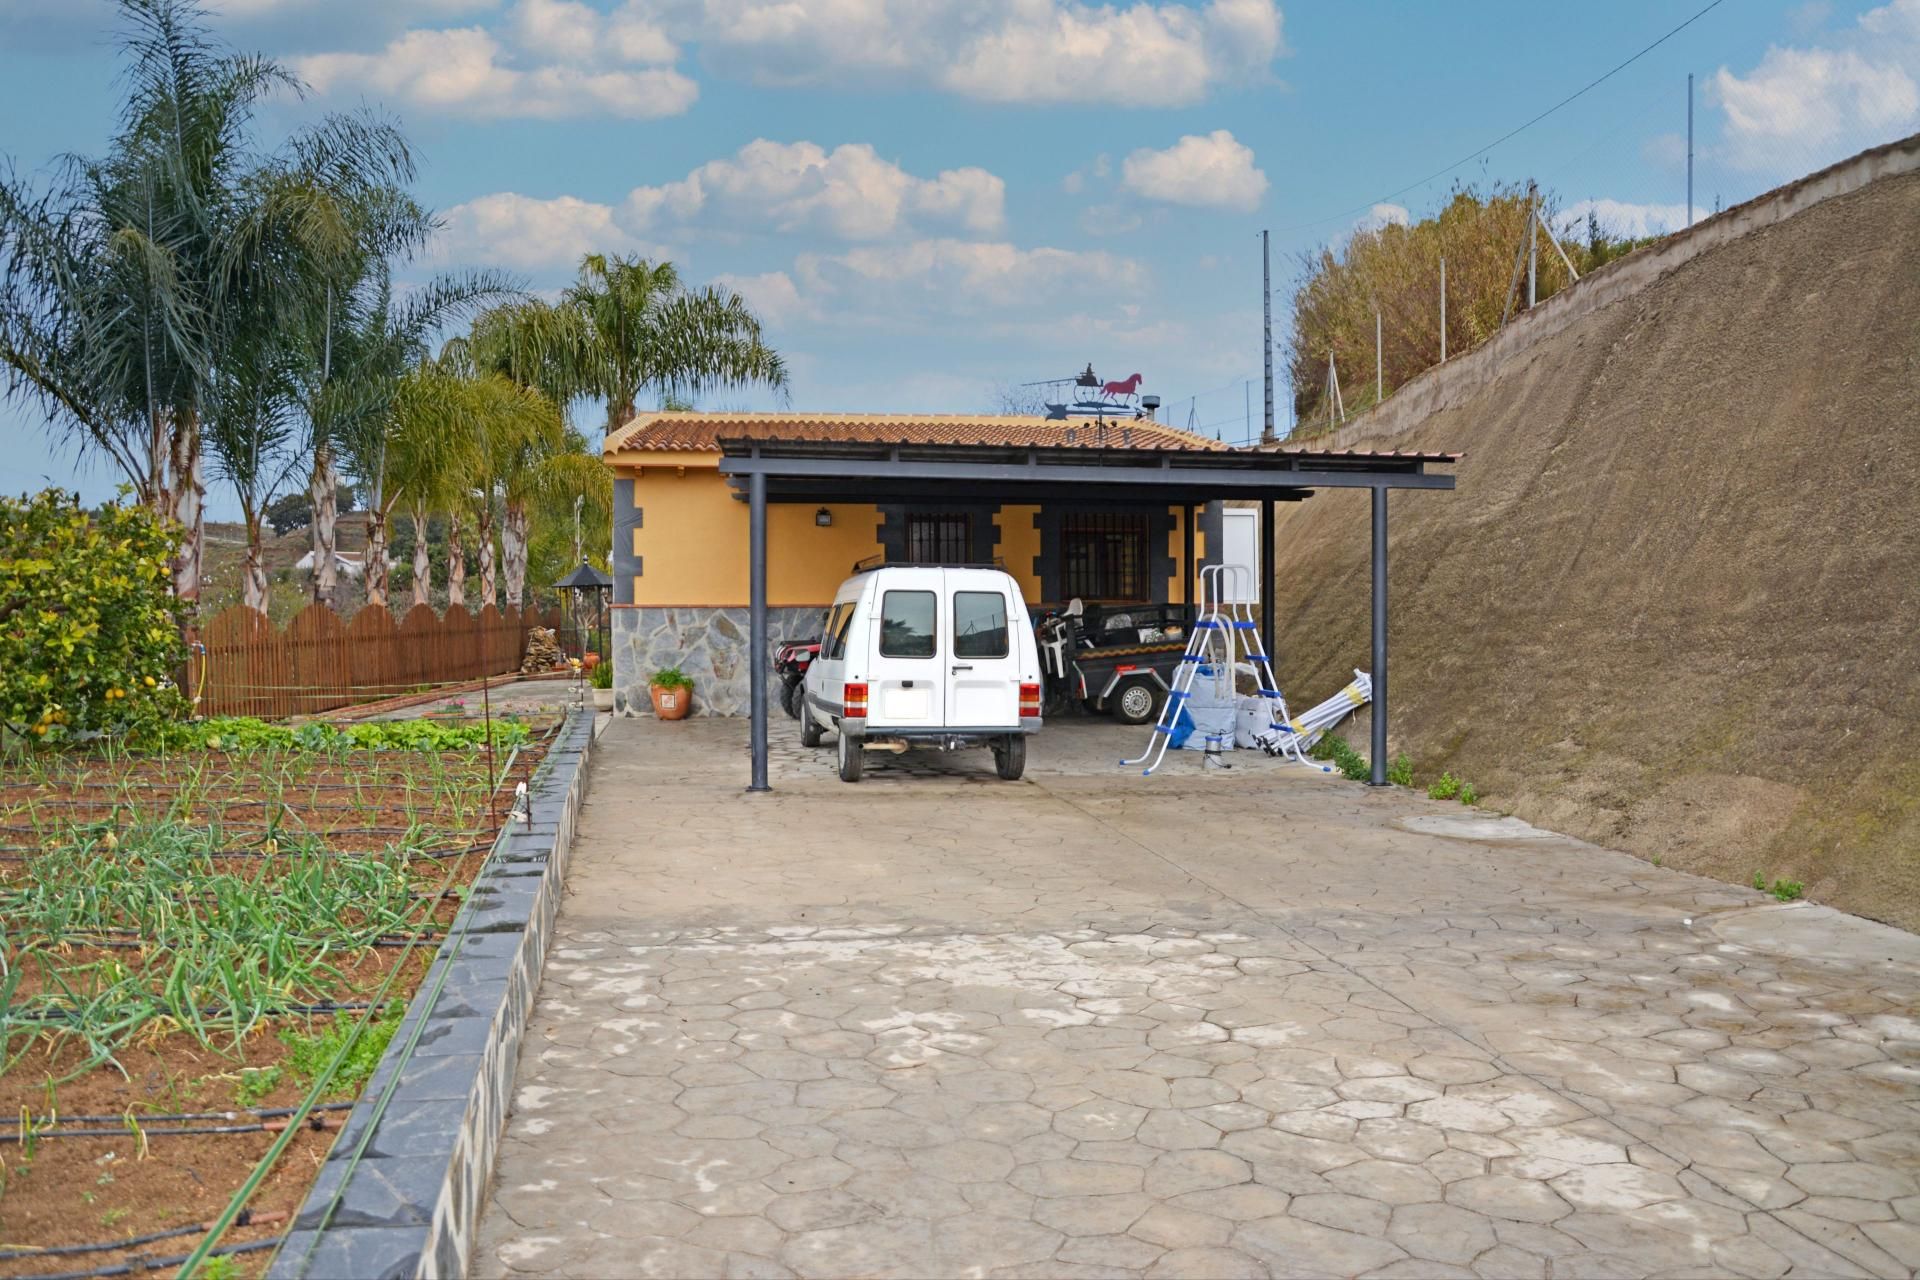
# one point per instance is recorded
(141, 1266)
(314, 1123)
(131, 1242)
(237, 1205)
(259, 1113)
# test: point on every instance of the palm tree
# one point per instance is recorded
(359, 342)
(133, 286)
(625, 326)
(249, 428)
(637, 328)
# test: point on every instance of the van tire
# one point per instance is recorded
(1010, 757)
(1137, 701)
(810, 732)
(852, 757)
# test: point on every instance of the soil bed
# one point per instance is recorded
(115, 873)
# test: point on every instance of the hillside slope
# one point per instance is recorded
(1674, 605)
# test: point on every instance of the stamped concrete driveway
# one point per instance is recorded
(1214, 1023)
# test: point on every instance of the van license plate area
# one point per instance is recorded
(906, 704)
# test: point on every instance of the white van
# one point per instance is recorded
(914, 656)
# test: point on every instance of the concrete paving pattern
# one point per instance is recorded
(1213, 1023)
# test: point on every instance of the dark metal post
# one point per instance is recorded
(1268, 540)
(1189, 516)
(758, 648)
(1379, 635)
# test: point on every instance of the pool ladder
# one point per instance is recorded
(1223, 631)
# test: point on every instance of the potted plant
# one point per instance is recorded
(601, 678)
(590, 660)
(672, 693)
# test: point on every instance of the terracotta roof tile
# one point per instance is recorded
(703, 432)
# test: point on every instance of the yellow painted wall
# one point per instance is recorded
(1177, 547)
(1018, 547)
(693, 542)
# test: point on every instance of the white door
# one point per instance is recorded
(983, 655)
(907, 667)
(1240, 545)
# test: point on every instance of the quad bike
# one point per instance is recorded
(791, 658)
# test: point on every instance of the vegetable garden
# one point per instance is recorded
(203, 944)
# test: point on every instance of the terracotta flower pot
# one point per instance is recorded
(589, 660)
(671, 704)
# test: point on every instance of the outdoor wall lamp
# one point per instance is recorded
(823, 518)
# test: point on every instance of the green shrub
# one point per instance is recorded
(89, 630)
(1468, 795)
(601, 677)
(1760, 881)
(1400, 772)
(1445, 789)
(670, 678)
(1787, 890)
(1350, 762)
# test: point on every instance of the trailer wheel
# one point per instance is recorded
(809, 731)
(1137, 701)
(792, 694)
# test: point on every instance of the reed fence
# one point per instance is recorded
(319, 662)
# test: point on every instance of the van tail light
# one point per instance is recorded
(1029, 701)
(856, 700)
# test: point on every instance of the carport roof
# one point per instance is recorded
(812, 470)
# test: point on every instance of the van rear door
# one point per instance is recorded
(905, 674)
(983, 658)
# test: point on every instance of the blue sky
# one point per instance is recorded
(926, 198)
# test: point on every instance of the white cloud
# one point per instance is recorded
(526, 233)
(771, 295)
(567, 60)
(1384, 215)
(849, 192)
(1803, 107)
(1210, 171)
(1028, 51)
(1620, 218)
(936, 278)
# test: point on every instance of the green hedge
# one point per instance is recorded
(240, 734)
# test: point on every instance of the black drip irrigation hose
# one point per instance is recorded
(92, 938)
(258, 1113)
(65, 1013)
(27, 852)
(140, 1266)
(315, 1123)
(108, 1246)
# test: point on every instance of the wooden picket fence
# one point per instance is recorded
(319, 662)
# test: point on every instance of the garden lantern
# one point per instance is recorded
(588, 588)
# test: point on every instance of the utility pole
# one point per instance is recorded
(1689, 148)
(1443, 311)
(1533, 244)
(1379, 362)
(1266, 344)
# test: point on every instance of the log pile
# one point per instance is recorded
(543, 651)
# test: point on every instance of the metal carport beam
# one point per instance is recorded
(868, 473)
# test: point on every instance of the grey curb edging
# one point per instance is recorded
(411, 1206)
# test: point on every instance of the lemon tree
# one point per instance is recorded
(89, 631)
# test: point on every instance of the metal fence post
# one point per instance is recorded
(1379, 778)
(758, 648)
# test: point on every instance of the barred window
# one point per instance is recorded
(1105, 555)
(939, 539)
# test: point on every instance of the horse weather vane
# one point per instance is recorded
(1085, 396)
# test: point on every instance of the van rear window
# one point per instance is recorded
(979, 624)
(906, 624)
